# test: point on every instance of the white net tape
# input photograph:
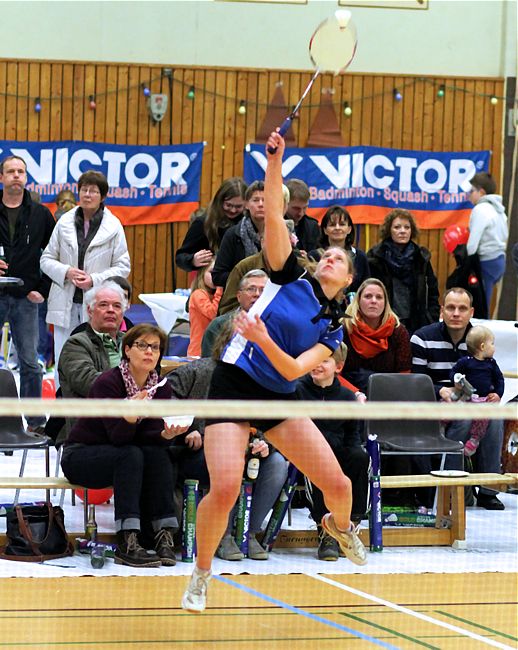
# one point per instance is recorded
(236, 409)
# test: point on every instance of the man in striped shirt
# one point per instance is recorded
(436, 348)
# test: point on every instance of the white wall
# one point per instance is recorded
(453, 37)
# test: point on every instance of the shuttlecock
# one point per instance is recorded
(343, 16)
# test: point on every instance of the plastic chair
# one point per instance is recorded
(13, 436)
(408, 437)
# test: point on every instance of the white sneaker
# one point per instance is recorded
(195, 596)
(349, 542)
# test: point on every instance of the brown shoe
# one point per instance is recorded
(131, 553)
(164, 546)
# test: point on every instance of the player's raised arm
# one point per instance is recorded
(275, 232)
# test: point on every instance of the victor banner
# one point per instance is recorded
(148, 184)
(371, 181)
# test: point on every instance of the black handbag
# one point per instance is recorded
(36, 534)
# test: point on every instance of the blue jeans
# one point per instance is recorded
(22, 315)
(488, 455)
(492, 271)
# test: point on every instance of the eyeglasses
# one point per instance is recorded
(253, 290)
(143, 346)
(89, 190)
(233, 207)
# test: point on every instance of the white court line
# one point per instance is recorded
(410, 612)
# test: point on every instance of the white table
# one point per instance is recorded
(506, 351)
(166, 308)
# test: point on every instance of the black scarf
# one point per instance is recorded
(400, 261)
(83, 242)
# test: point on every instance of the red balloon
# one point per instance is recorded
(48, 389)
(453, 236)
(95, 497)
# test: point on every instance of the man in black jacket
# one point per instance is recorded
(25, 229)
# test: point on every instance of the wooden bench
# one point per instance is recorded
(449, 530)
(450, 527)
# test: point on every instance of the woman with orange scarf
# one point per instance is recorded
(376, 340)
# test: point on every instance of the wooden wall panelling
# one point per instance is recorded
(407, 116)
(11, 104)
(218, 132)
(428, 107)
(469, 102)
(45, 77)
(23, 112)
(230, 124)
(390, 111)
(55, 108)
(23, 90)
(3, 99)
(242, 123)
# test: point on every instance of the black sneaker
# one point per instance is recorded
(164, 546)
(328, 549)
(489, 502)
(131, 553)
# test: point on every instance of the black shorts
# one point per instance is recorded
(230, 382)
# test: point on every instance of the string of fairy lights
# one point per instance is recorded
(193, 92)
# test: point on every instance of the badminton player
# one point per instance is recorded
(291, 328)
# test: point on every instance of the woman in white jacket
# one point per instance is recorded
(87, 246)
(488, 231)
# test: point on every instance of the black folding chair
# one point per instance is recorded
(13, 436)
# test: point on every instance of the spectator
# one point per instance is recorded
(25, 230)
(337, 229)
(203, 307)
(306, 228)
(343, 437)
(406, 271)
(250, 288)
(481, 370)
(229, 301)
(87, 246)
(89, 353)
(375, 338)
(204, 235)
(436, 348)
(488, 231)
(243, 239)
(126, 323)
(130, 453)
(65, 201)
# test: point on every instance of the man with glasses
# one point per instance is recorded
(98, 348)
(250, 289)
(25, 230)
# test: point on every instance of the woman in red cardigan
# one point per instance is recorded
(376, 340)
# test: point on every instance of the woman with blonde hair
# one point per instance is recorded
(376, 339)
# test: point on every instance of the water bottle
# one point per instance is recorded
(97, 554)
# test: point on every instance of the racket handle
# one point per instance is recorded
(283, 129)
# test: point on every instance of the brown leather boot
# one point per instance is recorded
(131, 553)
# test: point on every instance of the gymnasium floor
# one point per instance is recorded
(404, 597)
